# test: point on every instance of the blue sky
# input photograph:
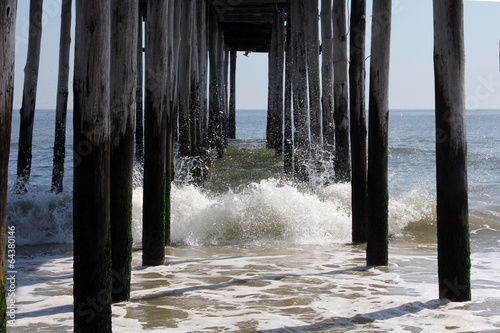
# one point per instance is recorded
(411, 80)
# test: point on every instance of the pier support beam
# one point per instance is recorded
(313, 72)
(214, 116)
(185, 119)
(174, 37)
(139, 110)
(451, 152)
(377, 250)
(155, 135)
(62, 98)
(327, 75)
(341, 93)
(275, 91)
(232, 97)
(123, 81)
(91, 183)
(8, 11)
(288, 136)
(27, 111)
(300, 100)
(359, 196)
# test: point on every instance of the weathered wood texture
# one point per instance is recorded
(225, 75)
(203, 58)
(222, 96)
(451, 152)
(8, 10)
(288, 135)
(214, 121)
(123, 85)
(271, 73)
(91, 187)
(378, 192)
(27, 111)
(195, 89)
(327, 75)
(155, 134)
(201, 50)
(185, 134)
(62, 98)
(359, 196)
(139, 99)
(341, 93)
(300, 99)
(275, 91)
(174, 37)
(232, 97)
(313, 73)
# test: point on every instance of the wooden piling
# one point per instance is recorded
(139, 110)
(300, 99)
(8, 10)
(215, 141)
(155, 134)
(222, 100)
(271, 77)
(215, 101)
(275, 90)
(327, 75)
(288, 136)
(123, 82)
(359, 196)
(341, 93)
(201, 29)
(278, 90)
(232, 97)
(225, 85)
(378, 192)
(185, 139)
(174, 37)
(27, 111)
(313, 72)
(194, 99)
(62, 98)
(91, 183)
(451, 152)
(202, 40)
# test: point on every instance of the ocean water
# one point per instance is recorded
(256, 251)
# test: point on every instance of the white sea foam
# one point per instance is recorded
(271, 210)
(273, 289)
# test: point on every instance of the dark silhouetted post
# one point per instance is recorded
(8, 10)
(29, 96)
(313, 73)
(91, 187)
(215, 108)
(62, 98)
(174, 38)
(155, 134)
(300, 100)
(185, 119)
(359, 196)
(327, 74)
(341, 93)
(123, 80)
(139, 111)
(378, 193)
(275, 99)
(232, 97)
(288, 136)
(451, 152)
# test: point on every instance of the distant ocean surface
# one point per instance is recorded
(255, 251)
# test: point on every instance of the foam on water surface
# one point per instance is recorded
(271, 289)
